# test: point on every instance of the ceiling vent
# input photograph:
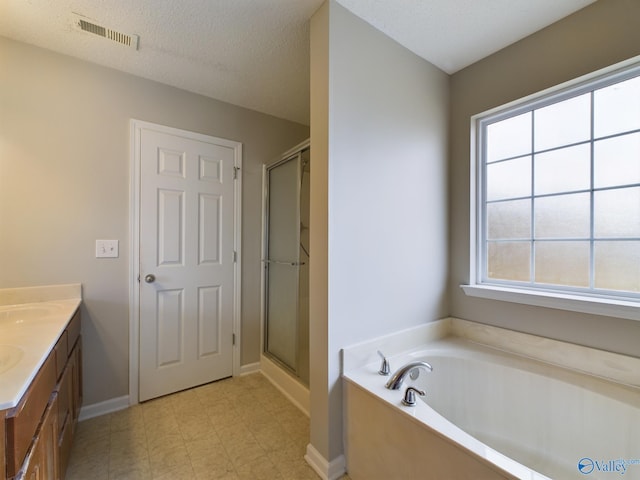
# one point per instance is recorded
(87, 25)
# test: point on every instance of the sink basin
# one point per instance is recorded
(9, 357)
(21, 313)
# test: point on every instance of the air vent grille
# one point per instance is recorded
(127, 40)
(93, 28)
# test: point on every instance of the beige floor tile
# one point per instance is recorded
(156, 409)
(271, 439)
(135, 470)
(132, 441)
(167, 448)
(297, 471)
(244, 452)
(82, 467)
(223, 416)
(195, 427)
(94, 427)
(160, 426)
(158, 444)
(234, 429)
(215, 476)
(204, 446)
(91, 446)
(233, 435)
(288, 454)
(169, 459)
(259, 469)
(178, 473)
(127, 419)
(213, 466)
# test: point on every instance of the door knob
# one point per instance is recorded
(150, 278)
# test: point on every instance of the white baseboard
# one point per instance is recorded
(327, 470)
(102, 408)
(120, 403)
(249, 368)
(297, 393)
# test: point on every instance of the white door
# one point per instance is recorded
(187, 256)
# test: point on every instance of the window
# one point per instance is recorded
(558, 191)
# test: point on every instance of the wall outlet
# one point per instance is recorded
(106, 248)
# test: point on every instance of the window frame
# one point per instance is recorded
(552, 296)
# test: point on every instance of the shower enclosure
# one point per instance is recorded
(286, 262)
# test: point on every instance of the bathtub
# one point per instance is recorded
(491, 414)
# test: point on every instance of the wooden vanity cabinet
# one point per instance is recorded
(39, 430)
(3, 460)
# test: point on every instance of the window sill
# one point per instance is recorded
(576, 303)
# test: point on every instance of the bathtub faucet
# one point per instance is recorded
(396, 381)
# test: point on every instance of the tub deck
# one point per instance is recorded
(490, 414)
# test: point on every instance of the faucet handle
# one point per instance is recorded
(410, 396)
(384, 368)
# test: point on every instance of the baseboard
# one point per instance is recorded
(102, 408)
(295, 392)
(249, 368)
(327, 470)
(120, 403)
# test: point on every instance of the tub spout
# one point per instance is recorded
(396, 380)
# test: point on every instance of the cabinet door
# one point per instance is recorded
(65, 415)
(42, 461)
(49, 441)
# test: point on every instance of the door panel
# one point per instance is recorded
(283, 261)
(209, 310)
(187, 228)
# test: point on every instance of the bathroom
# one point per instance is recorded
(389, 189)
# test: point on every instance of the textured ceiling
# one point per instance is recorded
(255, 53)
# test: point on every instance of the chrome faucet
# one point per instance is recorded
(395, 382)
(384, 368)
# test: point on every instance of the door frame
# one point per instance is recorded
(134, 258)
(263, 254)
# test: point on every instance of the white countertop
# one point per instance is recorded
(29, 329)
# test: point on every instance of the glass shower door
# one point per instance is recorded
(282, 262)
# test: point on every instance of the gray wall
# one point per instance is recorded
(602, 34)
(378, 131)
(64, 182)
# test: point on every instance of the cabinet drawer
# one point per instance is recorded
(65, 440)
(77, 396)
(73, 331)
(65, 392)
(22, 421)
(61, 353)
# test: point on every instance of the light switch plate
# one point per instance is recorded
(106, 248)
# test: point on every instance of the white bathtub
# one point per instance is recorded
(489, 414)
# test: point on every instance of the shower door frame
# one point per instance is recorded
(285, 157)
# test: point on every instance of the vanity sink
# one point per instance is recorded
(28, 312)
(9, 357)
(32, 321)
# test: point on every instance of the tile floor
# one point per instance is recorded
(238, 428)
